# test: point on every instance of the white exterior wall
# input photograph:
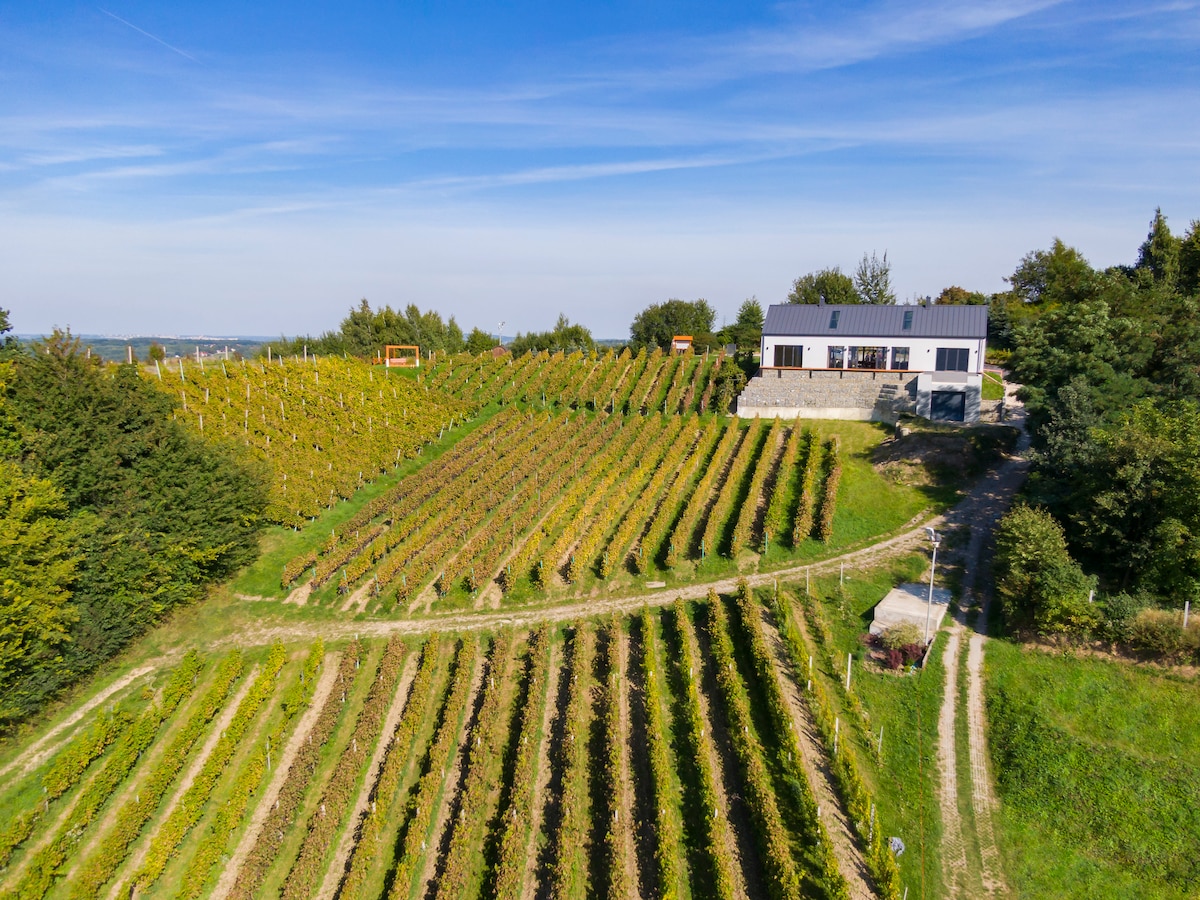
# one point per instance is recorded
(922, 353)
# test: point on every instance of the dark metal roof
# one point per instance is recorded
(862, 320)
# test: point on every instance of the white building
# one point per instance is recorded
(845, 361)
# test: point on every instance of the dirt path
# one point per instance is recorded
(329, 673)
(216, 729)
(337, 867)
(954, 848)
(980, 511)
(37, 752)
(912, 537)
(820, 776)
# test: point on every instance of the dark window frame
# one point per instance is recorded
(953, 359)
(901, 357)
(840, 354)
(789, 356)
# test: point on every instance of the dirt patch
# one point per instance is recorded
(300, 595)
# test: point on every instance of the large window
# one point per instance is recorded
(837, 357)
(867, 358)
(899, 357)
(952, 359)
(788, 356)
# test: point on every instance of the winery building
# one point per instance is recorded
(869, 362)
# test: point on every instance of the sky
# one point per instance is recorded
(233, 168)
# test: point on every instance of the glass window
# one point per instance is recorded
(952, 359)
(908, 314)
(867, 358)
(900, 358)
(837, 357)
(789, 356)
(833, 318)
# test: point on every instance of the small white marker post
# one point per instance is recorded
(1187, 609)
(879, 743)
(849, 663)
(836, 729)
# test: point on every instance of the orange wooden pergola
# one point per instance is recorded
(400, 355)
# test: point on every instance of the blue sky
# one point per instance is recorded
(235, 168)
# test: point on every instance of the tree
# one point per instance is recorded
(1159, 253)
(1054, 276)
(825, 286)
(479, 341)
(157, 353)
(959, 296)
(564, 336)
(1037, 582)
(746, 332)
(1189, 261)
(658, 323)
(873, 280)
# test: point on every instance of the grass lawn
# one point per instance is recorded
(993, 386)
(1098, 770)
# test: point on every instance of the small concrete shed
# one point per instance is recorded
(909, 603)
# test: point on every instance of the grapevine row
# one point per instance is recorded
(662, 798)
(679, 542)
(229, 815)
(132, 816)
(483, 747)
(677, 496)
(833, 477)
(714, 834)
(191, 805)
(777, 519)
(722, 509)
(610, 766)
(743, 529)
(291, 794)
(517, 816)
(335, 802)
(423, 802)
(569, 873)
(806, 507)
(375, 835)
(783, 881)
(783, 731)
(47, 862)
(848, 780)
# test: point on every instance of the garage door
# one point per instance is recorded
(948, 406)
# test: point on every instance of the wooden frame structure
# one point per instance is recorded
(393, 355)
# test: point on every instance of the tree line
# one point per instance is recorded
(1110, 363)
(111, 515)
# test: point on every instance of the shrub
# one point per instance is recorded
(1161, 632)
(899, 636)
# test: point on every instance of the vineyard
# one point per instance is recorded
(323, 427)
(533, 501)
(652, 755)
